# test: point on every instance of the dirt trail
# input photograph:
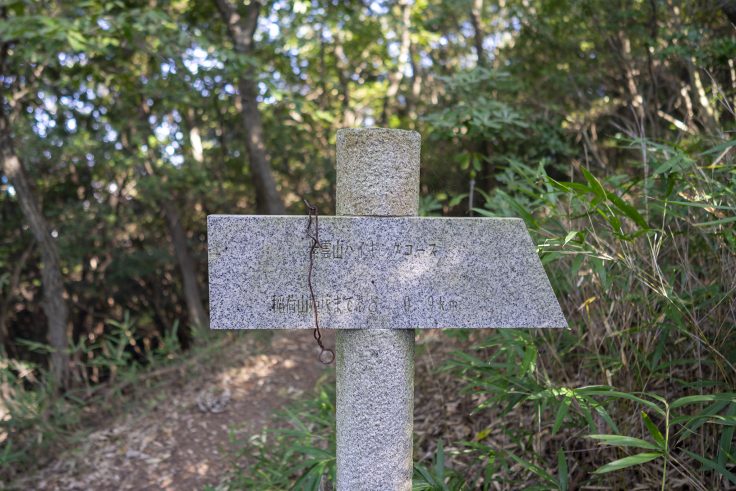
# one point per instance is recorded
(178, 436)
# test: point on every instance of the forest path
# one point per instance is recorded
(178, 434)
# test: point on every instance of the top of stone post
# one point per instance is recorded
(378, 172)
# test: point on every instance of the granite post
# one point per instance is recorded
(380, 272)
(377, 175)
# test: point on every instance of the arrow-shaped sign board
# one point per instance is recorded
(392, 272)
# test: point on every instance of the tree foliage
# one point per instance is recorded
(134, 120)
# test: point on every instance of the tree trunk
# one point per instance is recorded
(396, 77)
(729, 8)
(196, 312)
(348, 115)
(707, 115)
(13, 282)
(195, 308)
(416, 84)
(268, 200)
(53, 303)
(475, 20)
(241, 29)
(487, 177)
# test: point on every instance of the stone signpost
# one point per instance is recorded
(379, 273)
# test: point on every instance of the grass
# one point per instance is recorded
(645, 272)
(639, 390)
(36, 421)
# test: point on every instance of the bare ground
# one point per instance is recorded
(178, 435)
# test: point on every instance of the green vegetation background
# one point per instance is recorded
(606, 125)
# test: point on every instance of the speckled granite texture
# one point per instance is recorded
(377, 272)
(375, 409)
(377, 172)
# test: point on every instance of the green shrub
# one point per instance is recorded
(35, 417)
(299, 453)
(645, 269)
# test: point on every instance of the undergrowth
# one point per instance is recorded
(299, 453)
(36, 419)
(638, 392)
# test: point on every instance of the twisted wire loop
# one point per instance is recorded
(326, 355)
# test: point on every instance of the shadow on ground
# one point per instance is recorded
(178, 435)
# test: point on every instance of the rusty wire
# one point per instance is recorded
(313, 233)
